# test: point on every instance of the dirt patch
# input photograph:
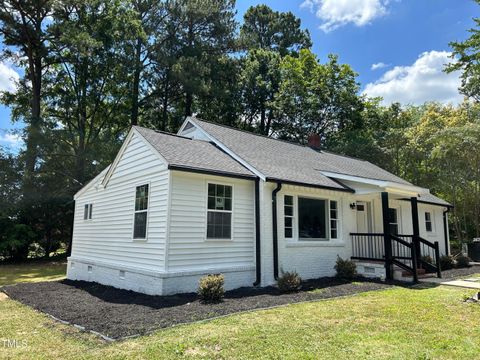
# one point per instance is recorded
(119, 313)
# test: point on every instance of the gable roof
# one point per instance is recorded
(278, 160)
(96, 180)
(432, 199)
(182, 153)
(282, 160)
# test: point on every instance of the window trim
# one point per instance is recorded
(134, 211)
(232, 218)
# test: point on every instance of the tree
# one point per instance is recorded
(23, 29)
(316, 98)
(89, 83)
(266, 29)
(205, 33)
(466, 57)
(260, 79)
(151, 16)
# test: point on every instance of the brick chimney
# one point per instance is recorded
(314, 141)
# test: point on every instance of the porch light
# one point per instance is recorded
(353, 206)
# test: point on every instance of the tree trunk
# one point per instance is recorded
(188, 103)
(136, 83)
(33, 129)
(262, 120)
(166, 87)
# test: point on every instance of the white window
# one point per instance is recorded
(393, 220)
(219, 211)
(288, 216)
(87, 212)
(141, 210)
(333, 219)
(428, 222)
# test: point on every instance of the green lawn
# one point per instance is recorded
(32, 271)
(398, 323)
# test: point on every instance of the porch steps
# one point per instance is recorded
(376, 269)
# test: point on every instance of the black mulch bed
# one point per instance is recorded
(453, 273)
(119, 313)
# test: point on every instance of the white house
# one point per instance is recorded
(213, 199)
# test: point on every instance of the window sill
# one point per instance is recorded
(315, 243)
(139, 240)
(218, 240)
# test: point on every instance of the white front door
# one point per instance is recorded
(364, 217)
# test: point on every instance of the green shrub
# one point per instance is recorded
(15, 240)
(427, 259)
(346, 269)
(463, 261)
(210, 288)
(446, 262)
(289, 282)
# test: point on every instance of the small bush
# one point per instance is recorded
(346, 269)
(427, 259)
(463, 261)
(446, 262)
(210, 288)
(289, 282)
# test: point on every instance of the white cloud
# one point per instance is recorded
(337, 13)
(379, 65)
(11, 140)
(422, 81)
(8, 77)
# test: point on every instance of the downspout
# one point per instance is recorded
(258, 270)
(274, 224)
(445, 231)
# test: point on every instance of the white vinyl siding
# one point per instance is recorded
(188, 247)
(109, 237)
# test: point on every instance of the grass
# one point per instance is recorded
(32, 271)
(398, 323)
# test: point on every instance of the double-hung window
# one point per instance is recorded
(141, 210)
(333, 219)
(393, 220)
(87, 212)
(219, 211)
(288, 216)
(428, 222)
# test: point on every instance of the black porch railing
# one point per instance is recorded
(407, 251)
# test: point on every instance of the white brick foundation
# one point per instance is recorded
(152, 282)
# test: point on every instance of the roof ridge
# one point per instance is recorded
(162, 132)
(281, 140)
(250, 132)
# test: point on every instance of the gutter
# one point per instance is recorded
(445, 231)
(258, 271)
(275, 232)
(210, 172)
(325, 187)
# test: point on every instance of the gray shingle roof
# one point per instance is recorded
(430, 198)
(293, 162)
(186, 153)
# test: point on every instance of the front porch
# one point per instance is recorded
(410, 252)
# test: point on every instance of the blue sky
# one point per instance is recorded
(398, 47)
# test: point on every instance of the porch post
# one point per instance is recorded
(387, 239)
(416, 228)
